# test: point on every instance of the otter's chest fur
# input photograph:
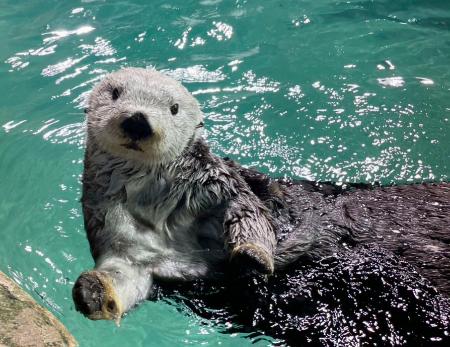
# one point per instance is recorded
(161, 203)
(184, 216)
(153, 202)
(148, 217)
(165, 227)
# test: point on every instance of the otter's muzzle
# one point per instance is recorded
(136, 127)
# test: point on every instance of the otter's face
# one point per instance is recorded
(143, 115)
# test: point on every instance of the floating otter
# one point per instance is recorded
(158, 206)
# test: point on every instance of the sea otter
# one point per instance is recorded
(159, 206)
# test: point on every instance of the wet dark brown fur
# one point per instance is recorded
(315, 219)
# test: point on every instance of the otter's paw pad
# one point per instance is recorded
(94, 296)
(250, 257)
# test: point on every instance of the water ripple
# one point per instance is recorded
(196, 73)
(54, 36)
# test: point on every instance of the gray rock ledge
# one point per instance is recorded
(25, 323)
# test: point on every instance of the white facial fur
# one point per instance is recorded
(152, 94)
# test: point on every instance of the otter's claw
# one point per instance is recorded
(249, 256)
(94, 297)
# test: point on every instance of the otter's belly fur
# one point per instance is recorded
(155, 229)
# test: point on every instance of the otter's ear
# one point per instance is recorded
(86, 110)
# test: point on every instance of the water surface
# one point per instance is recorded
(347, 91)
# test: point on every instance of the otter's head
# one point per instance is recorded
(142, 115)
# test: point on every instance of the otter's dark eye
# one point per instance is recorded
(115, 94)
(174, 109)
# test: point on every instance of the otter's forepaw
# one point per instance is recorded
(94, 296)
(249, 257)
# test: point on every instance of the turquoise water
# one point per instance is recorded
(330, 90)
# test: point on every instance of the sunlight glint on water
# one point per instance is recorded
(342, 91)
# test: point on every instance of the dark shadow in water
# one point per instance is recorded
(359, 296)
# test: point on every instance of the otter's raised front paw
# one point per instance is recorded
(94, 296)
(249, 257)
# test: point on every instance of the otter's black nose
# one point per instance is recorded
(136, 127)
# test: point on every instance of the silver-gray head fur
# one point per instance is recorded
(124, 93)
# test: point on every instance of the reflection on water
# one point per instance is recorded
(354, 297)
(342, 91)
